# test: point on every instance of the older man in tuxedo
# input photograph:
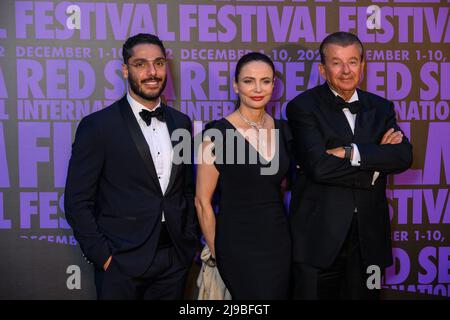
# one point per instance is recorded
(346, 142)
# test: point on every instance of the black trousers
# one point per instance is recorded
(164, 280)
(345, 279)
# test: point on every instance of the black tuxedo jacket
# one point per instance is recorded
(328, 189)
(113, 200)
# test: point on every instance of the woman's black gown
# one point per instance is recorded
(252, 242)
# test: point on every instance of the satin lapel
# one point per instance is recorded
(364, 118)
(171, 126)
(334, 115)
(138, 139)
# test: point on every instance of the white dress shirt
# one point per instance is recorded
(158, 140)
(351, 118)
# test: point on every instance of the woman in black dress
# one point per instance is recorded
(249, 237)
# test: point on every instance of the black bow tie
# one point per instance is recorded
(148, 115)
(352, 106)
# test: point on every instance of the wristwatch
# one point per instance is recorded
(348, 152)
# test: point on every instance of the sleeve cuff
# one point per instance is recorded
(356, 160)
(376, 174)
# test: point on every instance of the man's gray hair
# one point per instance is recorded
(342, 39)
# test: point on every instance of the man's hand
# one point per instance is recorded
(338, 152)
(392, 137)
(106, 265)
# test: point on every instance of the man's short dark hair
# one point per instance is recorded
(342, 39)
(140, 39)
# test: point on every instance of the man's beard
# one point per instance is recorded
(147, 96)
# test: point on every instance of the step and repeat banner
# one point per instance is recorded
(60, 61)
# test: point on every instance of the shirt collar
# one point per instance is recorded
(353, 98)
(137, 107)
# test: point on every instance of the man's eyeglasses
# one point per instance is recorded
(144, 64)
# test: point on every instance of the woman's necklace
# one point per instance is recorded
(253, 124)
(260, 143)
